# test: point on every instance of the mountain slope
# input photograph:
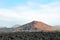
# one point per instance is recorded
(36, 25)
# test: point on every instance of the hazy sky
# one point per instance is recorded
(14, 12)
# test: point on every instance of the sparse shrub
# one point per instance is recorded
(41, 35)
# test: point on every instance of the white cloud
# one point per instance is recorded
(49, 13)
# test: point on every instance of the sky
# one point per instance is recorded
(19, 12)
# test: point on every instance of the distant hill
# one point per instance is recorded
(36, 25)
(58, 26)
(6, 29)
